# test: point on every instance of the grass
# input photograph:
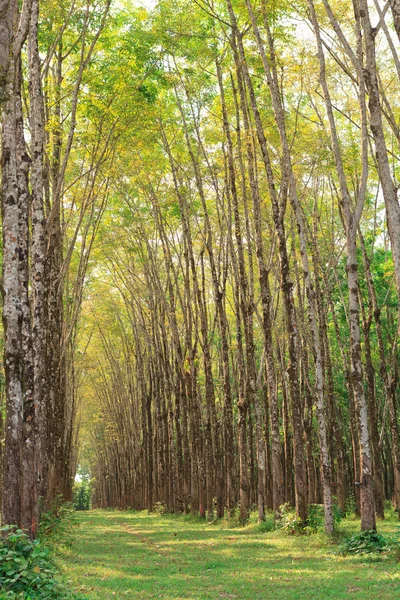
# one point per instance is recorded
(138, 555)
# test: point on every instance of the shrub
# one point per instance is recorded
(56, 522)
(26, 570)
(365, 542)
(267, 525)
(316, 517)
(351, 504)
(393, 544)
(291, 524)
(160, 508)
(287, 520)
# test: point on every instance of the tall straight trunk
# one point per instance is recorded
(19, 505)
(272, 79)
(266, 308)
(286, 283)
(247, 392)
(389, 188)
(352, 218)
(242, 399)
(210, 395)
(372, 414)
(269, 496)
(12, 308)
(387, 374)
(29, 505)
(376, 123)
(247, 293)
(334, 413)
(182, 389)
(287, 435)
(210, 431)
(39, 240)
(56, 357)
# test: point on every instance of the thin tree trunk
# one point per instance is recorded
(351, 224)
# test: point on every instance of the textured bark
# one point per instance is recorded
(12, 308)
(247, 387)
(287, 437)
(388, 186)
(36, 118)
(211, 441)
(219, 297)
(334, 419)
(372, 402)
(376, 124)
(29, 506)
(7, 15)
(268, 345)
(395, 7)
(18, 498)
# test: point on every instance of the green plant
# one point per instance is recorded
(288, 521)
(365, 542)
(26, 570)
(57, 522)
(316, 517)
(82, 495)
(351, 505)
(393, 544)
(266, 526)
(160, 508)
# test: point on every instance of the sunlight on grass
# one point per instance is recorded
(137, 555)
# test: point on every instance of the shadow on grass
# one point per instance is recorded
(137, 555)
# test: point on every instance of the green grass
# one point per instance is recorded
(137, 555)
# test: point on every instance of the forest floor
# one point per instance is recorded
(136, 555)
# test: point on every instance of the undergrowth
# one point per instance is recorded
(27, 569)
(372, 542)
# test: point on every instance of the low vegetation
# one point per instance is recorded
(140, 555)
(27, 566)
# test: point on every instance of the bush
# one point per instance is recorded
(287, 520)
(26, 570)
(160, 508)
(371, 542)
(56, 522)
(351, 505)
(393, 544)
(291, 524)
(316, 517)
(365, 542)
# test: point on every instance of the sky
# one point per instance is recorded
(149, 4)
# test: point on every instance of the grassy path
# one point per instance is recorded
(137, 555)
